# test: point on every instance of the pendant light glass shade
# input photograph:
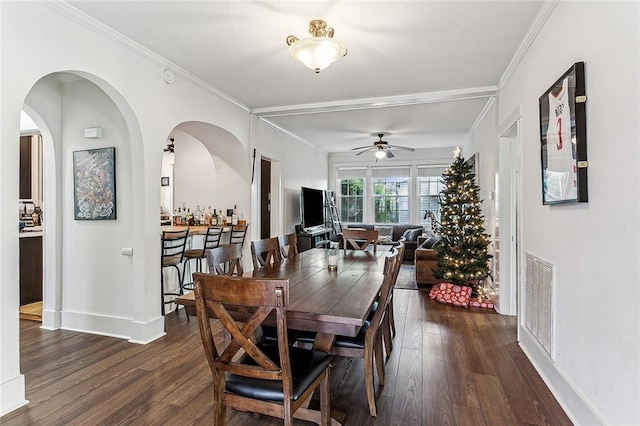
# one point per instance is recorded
(320, 50)
(380, 154)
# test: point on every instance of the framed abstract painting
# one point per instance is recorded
(94, 184)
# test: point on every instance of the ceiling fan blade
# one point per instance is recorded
(404, 148)
(364, 150)
(389, 154)
(361, 147)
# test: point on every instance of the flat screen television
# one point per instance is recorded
(312, 208)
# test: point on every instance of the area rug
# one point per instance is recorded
(407, 277)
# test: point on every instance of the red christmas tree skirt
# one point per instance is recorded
(457, 295)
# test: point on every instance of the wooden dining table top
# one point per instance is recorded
(330, 302)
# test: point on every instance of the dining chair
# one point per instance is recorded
(360, 239)
(226, 260)
(172, 256)
(368, 343)
(265, 252)
(389, 326)
(250, 375)
(288, 244)
(211, 241)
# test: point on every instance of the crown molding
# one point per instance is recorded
(534, 29)
(378, 102)
(482, 115)
(287, 132)
(71, 13)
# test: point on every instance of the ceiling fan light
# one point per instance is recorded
(380, 154)
(320, 50)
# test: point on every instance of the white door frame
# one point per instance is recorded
(510, 190)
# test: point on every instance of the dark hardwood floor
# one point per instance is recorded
(449, 366)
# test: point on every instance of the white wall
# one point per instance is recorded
(83, 277)
(594, 246)
(194, 174)
(300, 164)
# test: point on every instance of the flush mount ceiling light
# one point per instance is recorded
(318, 51)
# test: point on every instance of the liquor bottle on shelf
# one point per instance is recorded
(220, 218)
(234, 216)
(189, 217)
(207, 217)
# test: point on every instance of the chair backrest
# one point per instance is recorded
(173, 245)
(288, 244)
(359, 239)
(391, 266)
(238, 234)
(265, 252)
(212, 238)
(400, 247)
(215, 295)
(226, 260)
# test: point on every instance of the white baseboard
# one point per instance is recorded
(122, 328)
(569, 399)
(13, 393)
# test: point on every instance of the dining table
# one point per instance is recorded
(328, 301)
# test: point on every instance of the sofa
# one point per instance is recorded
(391, 233)
(425, 259)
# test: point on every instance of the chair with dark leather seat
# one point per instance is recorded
(265, 252)
(288, 244)
(271, 379)
(226, 260)
(368, 343)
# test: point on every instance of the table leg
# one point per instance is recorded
(324, 342)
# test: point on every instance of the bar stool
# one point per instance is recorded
(172, 255)
(238, 234)
(211, 241)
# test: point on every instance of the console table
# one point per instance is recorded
(314, 239)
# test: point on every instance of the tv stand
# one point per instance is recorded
(319, 238)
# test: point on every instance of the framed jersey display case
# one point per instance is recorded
(563, 139)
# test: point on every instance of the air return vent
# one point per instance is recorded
(539, 302)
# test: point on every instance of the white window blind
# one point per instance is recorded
(430, 171)
(384, 172)
(352, 173)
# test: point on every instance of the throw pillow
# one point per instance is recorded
(411, 235)
(430, 242)
(384, 233)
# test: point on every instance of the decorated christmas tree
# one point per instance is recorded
(462, 250)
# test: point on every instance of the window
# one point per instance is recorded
(388, 194)
(351, 194)
(429, 187)
(391, 194)
(391, 200)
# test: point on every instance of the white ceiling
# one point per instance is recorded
(420, 70)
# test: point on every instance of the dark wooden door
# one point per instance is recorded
(25, 168)
(265, 199)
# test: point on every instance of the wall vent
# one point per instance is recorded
(539, 302)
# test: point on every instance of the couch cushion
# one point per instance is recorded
(411, 235)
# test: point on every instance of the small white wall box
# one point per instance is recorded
(93, 133)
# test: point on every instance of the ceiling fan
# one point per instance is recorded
(382, 148)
